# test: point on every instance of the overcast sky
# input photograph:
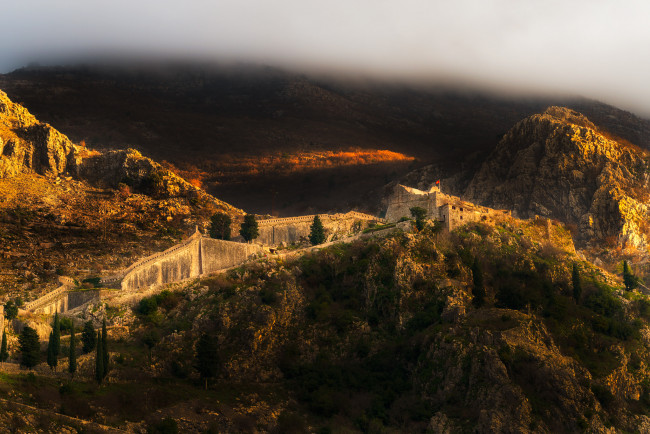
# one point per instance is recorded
(595, 48)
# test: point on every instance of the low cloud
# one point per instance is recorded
(594, 48)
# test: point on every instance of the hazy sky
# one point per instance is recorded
(595, 48)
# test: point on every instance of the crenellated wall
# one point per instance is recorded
(452, 211)
(53, 301)
(195, 257)
(292, 229)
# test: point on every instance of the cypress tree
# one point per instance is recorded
(317, 232)
(249, 230)
(30, 347)
(207, 358)
(56, 330)
(577, 285)
(99, 360)
(419, 214)
(72, 355)
(479, 289)
(52, 360)
(4, 354)
(88, 337)
(105, 353)
(629, 279)
(220, 226)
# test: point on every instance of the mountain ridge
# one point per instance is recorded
(219, 114)
(558, 164)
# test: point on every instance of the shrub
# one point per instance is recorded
(165, 426)
(147, 306)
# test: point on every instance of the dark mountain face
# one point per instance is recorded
(259, 137)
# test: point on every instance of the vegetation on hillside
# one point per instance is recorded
(479, 329)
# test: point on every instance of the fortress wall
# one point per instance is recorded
(177, 263)
(189, 259)
(283, 233)
(401, 206)
(2, 319)
(220, 254)
(292, 229)
(77, 298)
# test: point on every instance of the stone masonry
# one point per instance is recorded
(196, 256)
(452, 211)
(289, 230)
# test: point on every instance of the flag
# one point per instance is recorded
(438, 182)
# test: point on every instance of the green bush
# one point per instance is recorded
(164, 426)
(147, 306)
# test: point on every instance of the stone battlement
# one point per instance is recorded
(294, 229)
(194, 257)
(452, 211)
(310, 218)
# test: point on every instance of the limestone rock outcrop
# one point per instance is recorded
(27, 145)
(30, 146)
(560, 165)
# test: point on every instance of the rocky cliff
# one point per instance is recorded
(27, 145)
(559, 164)
(30, 146)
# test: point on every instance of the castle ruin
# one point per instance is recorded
(452, 211)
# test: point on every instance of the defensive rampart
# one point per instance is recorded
(53, 301)
(292, 229)
(450, 210)
(194, 257)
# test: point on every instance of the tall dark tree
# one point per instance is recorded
(99, 360)
(629, 279)
(4, 354)
(420, 215)
(317, 232)
(220, 226)
(52, 359)
(479, 288)
(11, 310)
(88, 337)
(577, 284)
(207, 358)
(30, 348)
(150, 339)
(105, 352)
(249, 230)
(72, 353)
(56, 338)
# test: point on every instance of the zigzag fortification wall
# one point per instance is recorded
(193, 258)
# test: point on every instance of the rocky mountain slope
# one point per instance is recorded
(27, 145)
(69, 210)
(395, 333)
(559, 164)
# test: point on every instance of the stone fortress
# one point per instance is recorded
(200, 255)
(452, 211)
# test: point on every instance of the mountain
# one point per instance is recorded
(68, 209)
(233, 128)
(559, 164)
(27, 145)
